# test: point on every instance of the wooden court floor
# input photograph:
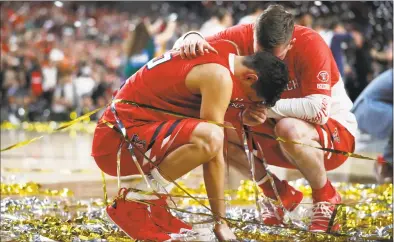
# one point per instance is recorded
(63, 161)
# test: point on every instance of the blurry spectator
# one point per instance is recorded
(142, 42)
(257, 8)
(16, 94)
(50, 73)
(101, 102)
(65, 98)
(36, 108)
(324, 27)
(339, 35)
(56, 55)
(386, 56)
(320, 25)
(40, 40)
(374, 112)
(86, 105)
(36, 81)
(166, 35)
(84, 83)
(305, 20)
(219, 21)
(363, 69)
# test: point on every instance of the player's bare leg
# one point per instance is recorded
(310, 162)
(290, 197)
(205, 144)
(239, 161)
(205, 148)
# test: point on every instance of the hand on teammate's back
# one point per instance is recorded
(254, 115)
(194, 45)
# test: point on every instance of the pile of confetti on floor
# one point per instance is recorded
(30, 213)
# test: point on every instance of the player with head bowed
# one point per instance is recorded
(314, 109)
(167, 146)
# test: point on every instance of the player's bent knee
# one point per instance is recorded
(214, 140)
(288, 129)
(209, 138)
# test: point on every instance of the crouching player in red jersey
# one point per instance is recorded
(201, 88)
(314, 109)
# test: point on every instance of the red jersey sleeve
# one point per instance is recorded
(241, 35)
(314, 67)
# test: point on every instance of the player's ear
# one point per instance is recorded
(292, 42)
(251, 78)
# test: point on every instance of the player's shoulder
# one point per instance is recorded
(212, 71)
(307, 38)
(213, 74)
(225, 46)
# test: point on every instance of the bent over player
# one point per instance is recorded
(314, 109)
(202, 89)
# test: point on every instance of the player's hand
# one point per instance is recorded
(194, 45)
(223, 233)
(255, 115)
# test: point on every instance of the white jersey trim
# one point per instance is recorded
(231, 62)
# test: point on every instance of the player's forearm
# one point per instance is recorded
(183, 37)
(214, 182)
(313, 108)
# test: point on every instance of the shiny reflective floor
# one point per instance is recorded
(62, 160)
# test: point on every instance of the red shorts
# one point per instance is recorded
(332, 135)
(154, 139)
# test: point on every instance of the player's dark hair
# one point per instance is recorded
(272, 73)
(274, 27)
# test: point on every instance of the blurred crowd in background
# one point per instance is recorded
(62, 57)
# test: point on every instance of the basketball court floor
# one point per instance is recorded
(62, 160)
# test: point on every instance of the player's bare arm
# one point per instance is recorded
(193, 44)
(215, 85)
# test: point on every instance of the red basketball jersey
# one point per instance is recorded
(161, 84)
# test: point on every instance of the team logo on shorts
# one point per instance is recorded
(335, 136)
(323, 76)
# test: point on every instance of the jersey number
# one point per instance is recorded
(159, 60)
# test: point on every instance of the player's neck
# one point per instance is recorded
(239, 68)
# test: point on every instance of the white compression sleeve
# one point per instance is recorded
(314, 108)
